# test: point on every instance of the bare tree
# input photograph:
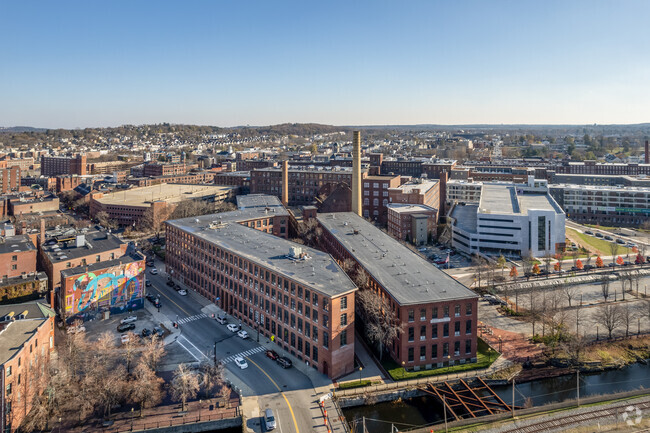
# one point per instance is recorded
(212, 376)
(105, 378)
(479, 267)
(629, 316)
(153, 352)
(604, 287)
(574, 346)
(129, 349)
(146, 388)
(534, 308)
(105, 220)
(568, 290)
(224, 393)
(380, 322)
(548, 258)
(185, 385)
(613, 249)
(527, 263)
(610, 316)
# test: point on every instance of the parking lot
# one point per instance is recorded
(438, 254)
(96, 327)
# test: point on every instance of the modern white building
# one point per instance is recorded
(521, 219)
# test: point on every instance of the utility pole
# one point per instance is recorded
(215, 354)
(364, 425)
(513, 397)
(578, 386)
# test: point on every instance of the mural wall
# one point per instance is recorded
(116, 288)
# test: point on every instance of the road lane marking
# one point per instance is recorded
(160, 292)
(197, 349)
(257, 349)
(293, 416)
(193, 318)
(188, 351)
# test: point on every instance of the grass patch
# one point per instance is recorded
(355, 384)
(598, 245)
(483, 360)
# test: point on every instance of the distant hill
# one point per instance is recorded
(13, 129)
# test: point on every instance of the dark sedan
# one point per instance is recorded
(123, 327)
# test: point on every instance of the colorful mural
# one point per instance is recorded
(117, 288)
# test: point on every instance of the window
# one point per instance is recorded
(446, 311)
(434, 313)
(434, 330)
(423, 353)
(14, 267)
(8, 390)
(468, 309)
(445, 350)
(468, 347)
(456, 348)
(366, 202)
(457, 310)
(411, 315)
(445, 330)
(315, 354)
(411, 354)
(326, 320)
(14, 258)
(468, 327)
(375, 202)
(344, 319)
(344, 337)
(344, 303)
(423, 314)
(457, 329)
(411, 334)
(423, 333)
(8, 370)
(434, 351)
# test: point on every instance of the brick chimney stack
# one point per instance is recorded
(647, 154)
(356, 173)
(285, 183)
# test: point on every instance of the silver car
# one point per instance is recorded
(269, 420)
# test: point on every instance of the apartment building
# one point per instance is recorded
(439, 315)
(417, 191)
(26, 342)
(9, 179)
(297, 296)
(17, 256)
(600, 168)
(414, 223)
(153, 169)
(605, 205)
(305, 183)
(375, 192)
(193, 178)
(56, 165)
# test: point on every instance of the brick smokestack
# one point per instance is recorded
(285, 183)
(647, 154)
(42, 239)
(356, 173)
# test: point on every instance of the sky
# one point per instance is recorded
(76, 64)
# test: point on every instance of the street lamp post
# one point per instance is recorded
(200, 401)
(360, 368)
(257, 325)
(403, 369)
(131, 419)
(448, 364)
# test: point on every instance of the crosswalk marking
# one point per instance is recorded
(192, 318)
(249, 352)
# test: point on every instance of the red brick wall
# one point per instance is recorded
(25, 263)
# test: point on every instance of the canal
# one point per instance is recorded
(424, 410)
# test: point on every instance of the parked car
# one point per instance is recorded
(608, 238)
(631, 245)
(232, 327)
(599, 235)
(129, 319)
(146, 332)
(123, 327)
(612, 265)
(588, 267)
(150, 297)
(154, 271)
(157, 303)
(170, 283)
(158, 331)
(589, 232)
(125, 338)
(241, 362)
(242, 334)
(284, 362)
(147, 283)
(272, 354)
(221, 318)
(269, 420)
(182, 292)
(626, 263)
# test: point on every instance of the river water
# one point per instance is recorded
(425, 410)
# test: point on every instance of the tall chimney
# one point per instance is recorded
(356, 173)
(41, 241)
(647, 154)
(285, 183)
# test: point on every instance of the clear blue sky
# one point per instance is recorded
(236, 62)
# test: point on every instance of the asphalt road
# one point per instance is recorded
(263, 377)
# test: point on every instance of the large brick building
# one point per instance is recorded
(9, 179)
(417, 191)
(412, 223)
(439, 315)
(17, 256)
(56, 165)
(162, 169)
(375, 191)
(26, 342)
(297, 296)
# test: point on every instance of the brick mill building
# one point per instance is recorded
(298, 296)
(438, 314)
(56, 165)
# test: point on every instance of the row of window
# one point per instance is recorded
(426, 314)
(434, 354)
(434, 331)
